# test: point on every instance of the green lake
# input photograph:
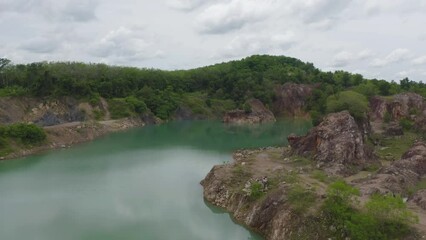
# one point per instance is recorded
(138, 184)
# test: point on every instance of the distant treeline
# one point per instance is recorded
(226, 84)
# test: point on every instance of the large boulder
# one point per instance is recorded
(336, 144)
(257, 113)
(291, 99)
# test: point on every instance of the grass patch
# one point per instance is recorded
(299, 161)
(419, 186)
(300, 199)
(320, 176)
(394, 147)
(291, 177)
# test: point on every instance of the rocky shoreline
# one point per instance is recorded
(260, 187)
(73, 133)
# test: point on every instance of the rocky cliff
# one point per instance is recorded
(410, 106)
(66, 121)
(337, 145)
(291, 99)
(256, 113)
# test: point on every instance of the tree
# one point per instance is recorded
(355, 103)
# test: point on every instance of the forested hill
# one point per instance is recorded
(222, 86)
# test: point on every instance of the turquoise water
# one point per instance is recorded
(139, 184)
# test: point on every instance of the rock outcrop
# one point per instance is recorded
(257, 113)
(271, 215)
(43, 112)
(291, 99)
(400, 175)
(399, 106)
(336, 144)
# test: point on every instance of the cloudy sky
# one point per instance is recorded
(378, 38)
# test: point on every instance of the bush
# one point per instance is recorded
(355, 103)
(406, 124)
(256, 190)
(383, 217)
(26, 133)
(126, 107)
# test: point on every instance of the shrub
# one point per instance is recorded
(256, 190)
(383, 217)
(406, 124)
(26, 133)
(126, 107)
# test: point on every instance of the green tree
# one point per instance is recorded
(355, 103)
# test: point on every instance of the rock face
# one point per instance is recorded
(291, 99)
(336, 144)
(184, 113)
(400, 175)
(41, 112)
(393, 129)
(258, 114)
(400, 106)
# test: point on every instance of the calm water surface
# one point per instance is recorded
(140, 184)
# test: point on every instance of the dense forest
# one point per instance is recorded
(220, 87)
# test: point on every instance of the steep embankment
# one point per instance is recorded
(65, 121)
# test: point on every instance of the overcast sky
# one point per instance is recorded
(383, 39)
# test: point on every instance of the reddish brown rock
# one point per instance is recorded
(258, 114)
(291, 99)
(400, 106)
(336, 144)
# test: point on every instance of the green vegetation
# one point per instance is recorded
(382, 217)
(322, 176)
(209, 90)
(394, 147)
(419, 186)
(291, 177)
(300, 198)
(25, 133)
(406, 124)
(355, 103)
(126, 107)
(21, 133)
(256, 190)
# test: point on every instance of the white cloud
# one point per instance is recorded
(420, 60)
(345, 58)
(241, 46)
(41, 45)
(124, 45)
(330, 33)
(395, 56)
(374, 7)
(225, 17)
(185, 5)
(312, 11)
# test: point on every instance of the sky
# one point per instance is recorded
(384, 39)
